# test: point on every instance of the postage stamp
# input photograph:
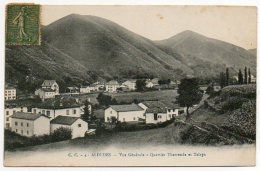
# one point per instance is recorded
(23, 24)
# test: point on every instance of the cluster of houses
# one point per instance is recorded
(50, 88)
(47, 117)
(150, 112)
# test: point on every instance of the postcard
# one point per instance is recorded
(109, 85)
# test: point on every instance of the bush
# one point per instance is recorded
(233, 103)
(61, 134)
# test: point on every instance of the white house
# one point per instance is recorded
(10, 93)
(125, 113)
(10, 110)
(156, 111)
(51, 84)
(112, 86)
(45, 93)
(64, 106)
(53, 112)
(84, 89)
(77, 125)
(130, 84)
(73, 89)
(28, 124)
(152, 82)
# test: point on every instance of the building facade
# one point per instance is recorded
(124, 113)
(130, 84)
(112, 86)
(28, 124)
(55, 112)
(9, 111)
(78, 126)
(10, 93)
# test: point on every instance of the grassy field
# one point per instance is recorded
(128, 97)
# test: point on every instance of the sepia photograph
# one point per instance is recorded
(121, 85)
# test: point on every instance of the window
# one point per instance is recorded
(123, 119)
(21, 123)
(74, 111)
(43, 112)
(16, 130)
(16, 124)
(34, 111)
(48, 113)
(22, 131)
(134, 118)
(27, 124)
(27, 132)
(108, 118)
(7, 112)
(110, 112)
(155, 116)
(79, 125)
(7, 118)
(67, 112)
(169, 110)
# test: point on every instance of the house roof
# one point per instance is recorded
(126, 108)
(27, 116)
(113, 82)
(48, 82)
(64, 120)
(59, 103)
(158, 106)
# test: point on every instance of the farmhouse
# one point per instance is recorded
(51, 84)
(84, 89)
(49, 89)
(45, 93)
(152, 82)
(156, 111)
(112, 86)
(130, 84)
(28, 124)
(125, 113)
(10, 93)
(60, 107)
(10, 110)
(77, 125)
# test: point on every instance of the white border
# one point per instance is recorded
(121, 2)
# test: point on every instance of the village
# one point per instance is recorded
(74, 110)
(56, 110)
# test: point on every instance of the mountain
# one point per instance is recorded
(37, 63)
(253, 51)
(79, 49)
(105, 47)
(206, 55)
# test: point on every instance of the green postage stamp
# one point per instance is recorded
(23, 24)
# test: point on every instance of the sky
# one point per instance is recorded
(233, 24)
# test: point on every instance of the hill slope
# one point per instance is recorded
(198, 51)
(106, 47)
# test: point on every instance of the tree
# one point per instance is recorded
(249, 76)
(167, 81)
(227, 77)
(87, 116)
(61, 134)
(222, 80)
(210, 89)
(189, 93)
(240, 77)
(105, 100)
(140, 85)
(245, 79)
